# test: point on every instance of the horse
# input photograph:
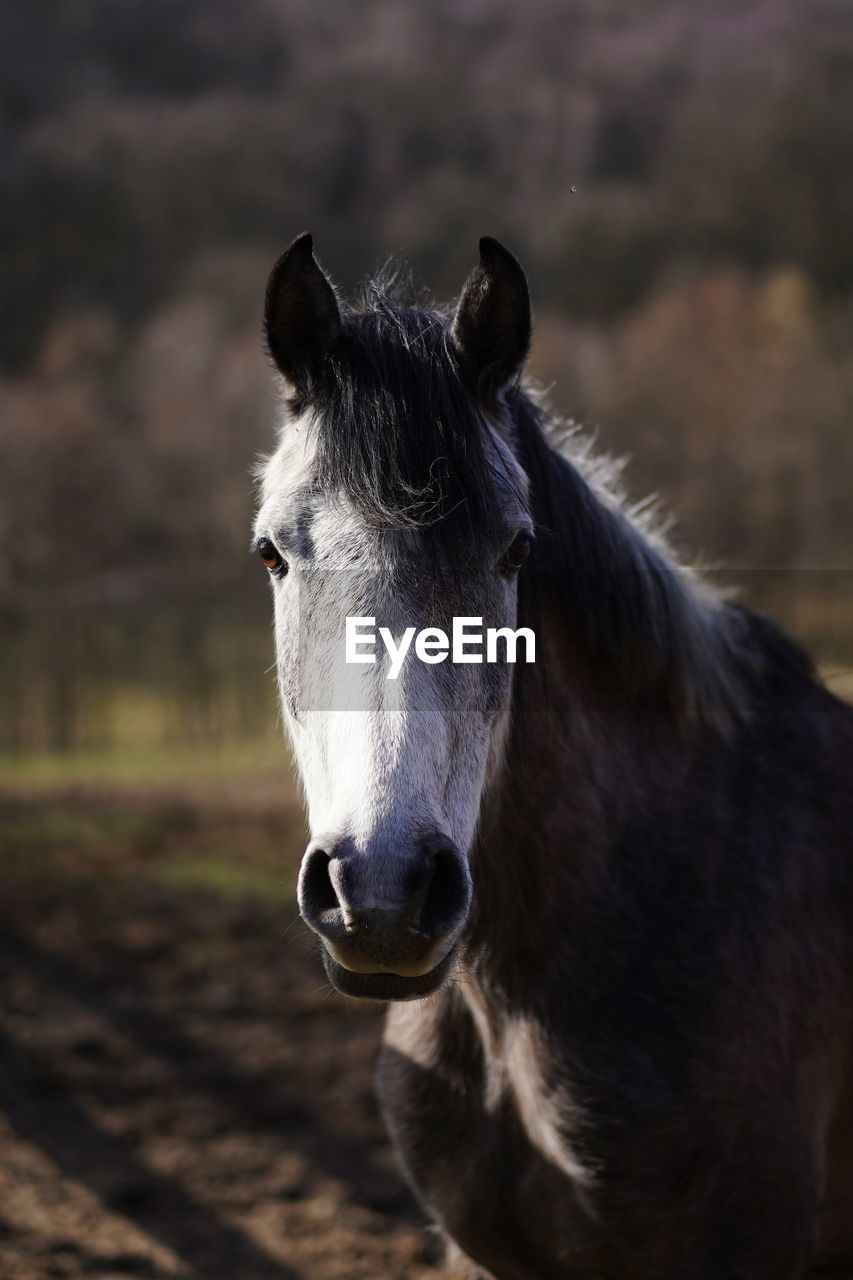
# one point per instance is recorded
(607, 896)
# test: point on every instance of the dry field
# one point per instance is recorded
(180, 1094)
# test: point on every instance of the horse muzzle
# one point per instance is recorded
(389, 922)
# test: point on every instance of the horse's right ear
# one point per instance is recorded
(301, 316)
(492, 327)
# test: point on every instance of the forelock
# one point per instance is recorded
(397, 429)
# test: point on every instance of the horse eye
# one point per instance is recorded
(269, 556)
(517, 551)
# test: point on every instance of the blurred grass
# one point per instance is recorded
(226, 879)
(839, 680)
(222, 819)
(260, 759)
(120, 839)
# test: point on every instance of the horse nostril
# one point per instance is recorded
(447, 895)
(375, 910)
(317, 894)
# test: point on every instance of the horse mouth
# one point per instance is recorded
(385, 986)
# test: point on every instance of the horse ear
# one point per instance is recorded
(492, 327)
(301, 316)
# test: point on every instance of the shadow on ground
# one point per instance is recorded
(180, 1093)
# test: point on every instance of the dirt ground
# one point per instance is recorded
(181, 1094)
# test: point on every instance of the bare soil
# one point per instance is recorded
(181, 1094)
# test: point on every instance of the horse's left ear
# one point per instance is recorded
(492, 326)
(301, 316)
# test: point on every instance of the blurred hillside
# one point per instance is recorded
(694, 294)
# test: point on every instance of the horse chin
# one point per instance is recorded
(385, 986)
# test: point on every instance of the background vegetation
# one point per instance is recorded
(694, 294)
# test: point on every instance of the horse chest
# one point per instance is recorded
(483, 1134)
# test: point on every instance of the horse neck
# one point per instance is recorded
(549, 816)
(597, 723)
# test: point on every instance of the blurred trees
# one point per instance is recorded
(139, 135)
(693, 295)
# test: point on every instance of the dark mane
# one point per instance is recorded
(655, 631)
(652, 630)
(398, 430)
